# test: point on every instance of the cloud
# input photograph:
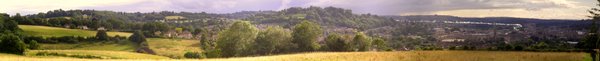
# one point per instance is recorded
(380, 7)
(213, 6)
(394, 7)
(36, 6)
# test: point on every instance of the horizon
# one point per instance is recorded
(539, 9)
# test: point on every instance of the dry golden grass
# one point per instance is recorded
(420, 56)
(371, 56)
(494, 56)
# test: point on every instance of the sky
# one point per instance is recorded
(543, 9)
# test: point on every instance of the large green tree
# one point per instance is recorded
(305, 36)
(591, 40)
(362, 42)
(271, 40)
(11, 25)
(12, 44)
(237, 39)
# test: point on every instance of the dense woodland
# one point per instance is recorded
(296, 30)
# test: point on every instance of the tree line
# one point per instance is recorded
(244, 39)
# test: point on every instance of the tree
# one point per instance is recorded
(273, 39)
(379, 43)
(237, 39)
(335, 42)
(11, 25)
(591, 40)
(137, 38)
(102, 35)
(151, 27)
(205, 42)
(362, 42)
(33, 45)
(305, 36)
(12, 44)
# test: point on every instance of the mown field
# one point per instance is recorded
(370, 56)
(57, 32)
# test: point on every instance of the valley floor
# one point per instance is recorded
(364, 56)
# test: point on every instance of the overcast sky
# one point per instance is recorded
(545, 9)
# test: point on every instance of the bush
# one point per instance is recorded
(194, 55)
(12, 44)
(212, 53)
(337, 43)
(70, 55)
(33, 45)
(101, 35)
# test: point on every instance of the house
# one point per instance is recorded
(453, 40)
(185, 34)
(101, 28)
(82, 27)
(170, 34)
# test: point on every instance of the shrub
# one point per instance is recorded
(33, 45)
(335, 42)
(70, 55)
(12, 44)
(194, 55)
(101, 35)
(212, 53)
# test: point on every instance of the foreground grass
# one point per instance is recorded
(46, 31)
(374, 56)
(420, 56)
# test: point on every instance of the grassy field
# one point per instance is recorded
(56, 31)
(109, 46)
(174, 48)
(374, 56)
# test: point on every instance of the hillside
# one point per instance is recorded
(174, 48)
(375, 56)
(57, 32)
